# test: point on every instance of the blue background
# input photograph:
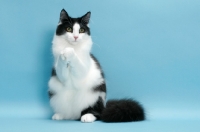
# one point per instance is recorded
(149, 50)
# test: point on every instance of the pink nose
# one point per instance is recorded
(75, 37)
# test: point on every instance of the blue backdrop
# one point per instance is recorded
(149, 50)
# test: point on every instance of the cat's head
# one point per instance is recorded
(74, 30)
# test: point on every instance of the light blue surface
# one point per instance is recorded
(149, 50)
(42, 125)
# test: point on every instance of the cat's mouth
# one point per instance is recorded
(74, 42)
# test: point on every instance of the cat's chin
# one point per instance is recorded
(74, 42)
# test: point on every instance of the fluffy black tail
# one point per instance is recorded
(124, 110)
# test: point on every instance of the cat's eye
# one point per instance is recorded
(69, 29)
(82, 30)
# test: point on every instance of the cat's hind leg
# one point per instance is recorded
(93, 113)
(88, 118)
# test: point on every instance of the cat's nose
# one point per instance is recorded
(75, 37)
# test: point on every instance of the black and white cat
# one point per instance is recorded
(77, 87)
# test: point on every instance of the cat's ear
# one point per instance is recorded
(63, 15)
(86, 18)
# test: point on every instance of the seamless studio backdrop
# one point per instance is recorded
(149, 51)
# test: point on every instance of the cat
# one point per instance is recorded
(77, 87)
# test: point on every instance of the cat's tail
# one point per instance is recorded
(124, 110)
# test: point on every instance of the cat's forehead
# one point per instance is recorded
(76, 26)
(76, 20)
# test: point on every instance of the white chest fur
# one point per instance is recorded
(75, 80)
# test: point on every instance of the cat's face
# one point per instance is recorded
(74, 30)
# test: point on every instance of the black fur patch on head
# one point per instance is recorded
(96, 109)
(67, 21)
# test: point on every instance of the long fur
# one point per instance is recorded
(77, 87)
(124, 110)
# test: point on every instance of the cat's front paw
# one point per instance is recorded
(87, 118)
(57, 116)
(67, 54)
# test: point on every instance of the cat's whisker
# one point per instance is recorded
(93, 36)
(91, 21)
(97, 45)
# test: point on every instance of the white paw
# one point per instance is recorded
(88, 118)
(67, 54)
(57, 117)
